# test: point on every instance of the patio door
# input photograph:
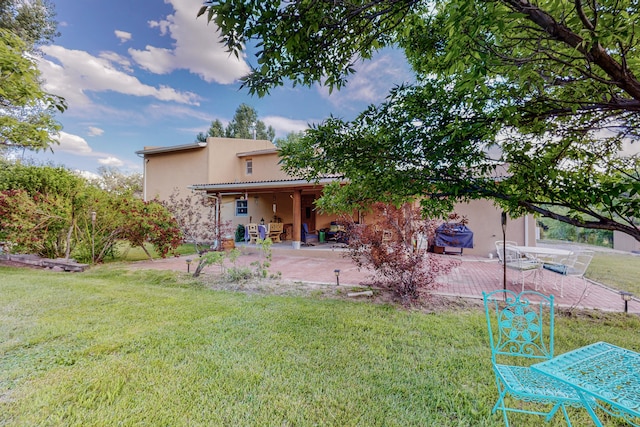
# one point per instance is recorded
(308, 214)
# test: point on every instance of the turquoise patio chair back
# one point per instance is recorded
(521, 333)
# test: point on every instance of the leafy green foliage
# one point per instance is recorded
(49, 211)
(528, 104)
(27, 111)
(557, 230)
(32, 21)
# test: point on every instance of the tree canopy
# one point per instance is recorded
(530, 104)
(245, 124)
(32, 21)
(26, 110)
(55, 213)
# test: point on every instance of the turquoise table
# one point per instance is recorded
(605, 376)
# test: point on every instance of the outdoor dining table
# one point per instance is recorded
(604, 375)
(543, 252)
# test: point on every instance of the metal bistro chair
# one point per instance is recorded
(515, 260)
(521, 333)
(575, 265)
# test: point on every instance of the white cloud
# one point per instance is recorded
(111, 161)
(77, 145)
(372, 81)
(195, 48)
(120, 60)
(73, 144)
(123, 36)
(94, 131)
(285, 126)
(80, 73)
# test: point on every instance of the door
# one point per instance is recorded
(308, 213)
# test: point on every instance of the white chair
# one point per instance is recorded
(515, 260)
(500, 244)
(575, 265)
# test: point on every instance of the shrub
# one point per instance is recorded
(394, 245)
(240, 233)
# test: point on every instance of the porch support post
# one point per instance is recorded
(297, 220)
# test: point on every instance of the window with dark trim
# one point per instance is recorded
(242, 207)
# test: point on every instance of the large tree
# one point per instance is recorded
(245, 124)
(548, 88)
(33, 21)
(26, 110)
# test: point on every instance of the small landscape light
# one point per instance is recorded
(189, 261)
(626, 297)
(337, 273)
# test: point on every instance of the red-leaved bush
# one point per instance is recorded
(394, 244)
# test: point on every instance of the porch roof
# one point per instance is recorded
(174, 148)
(281, 184)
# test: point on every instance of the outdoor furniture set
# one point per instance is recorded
(599, 377)
(533, 260)
(273, 230)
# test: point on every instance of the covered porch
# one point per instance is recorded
(290, 202)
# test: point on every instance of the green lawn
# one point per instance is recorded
(620, 271)
(114, 347)
(124, 252)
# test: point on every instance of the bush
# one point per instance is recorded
(394, 246)
(240, 233)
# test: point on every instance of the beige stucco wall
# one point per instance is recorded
(624, 242)
(166, 171)
(485, 222)
(229, 167)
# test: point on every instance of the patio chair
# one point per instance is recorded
(520, 330)
(275, 230)
(515, 260)
(500, 247)
(575, 265)
(253, 233)
(307, 237)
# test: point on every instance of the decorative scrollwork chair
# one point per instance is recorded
(275, 230)
(521, 333)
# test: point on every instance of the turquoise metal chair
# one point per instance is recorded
(520, 334)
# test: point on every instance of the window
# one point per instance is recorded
(242, 207)
(249, 164)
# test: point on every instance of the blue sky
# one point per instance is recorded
(148, 73)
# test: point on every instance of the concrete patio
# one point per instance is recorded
(316, 264)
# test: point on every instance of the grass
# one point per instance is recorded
(619, 271)
(124, 252)
(116, 347)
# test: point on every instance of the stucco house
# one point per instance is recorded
(624, 242)
(244, 178)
